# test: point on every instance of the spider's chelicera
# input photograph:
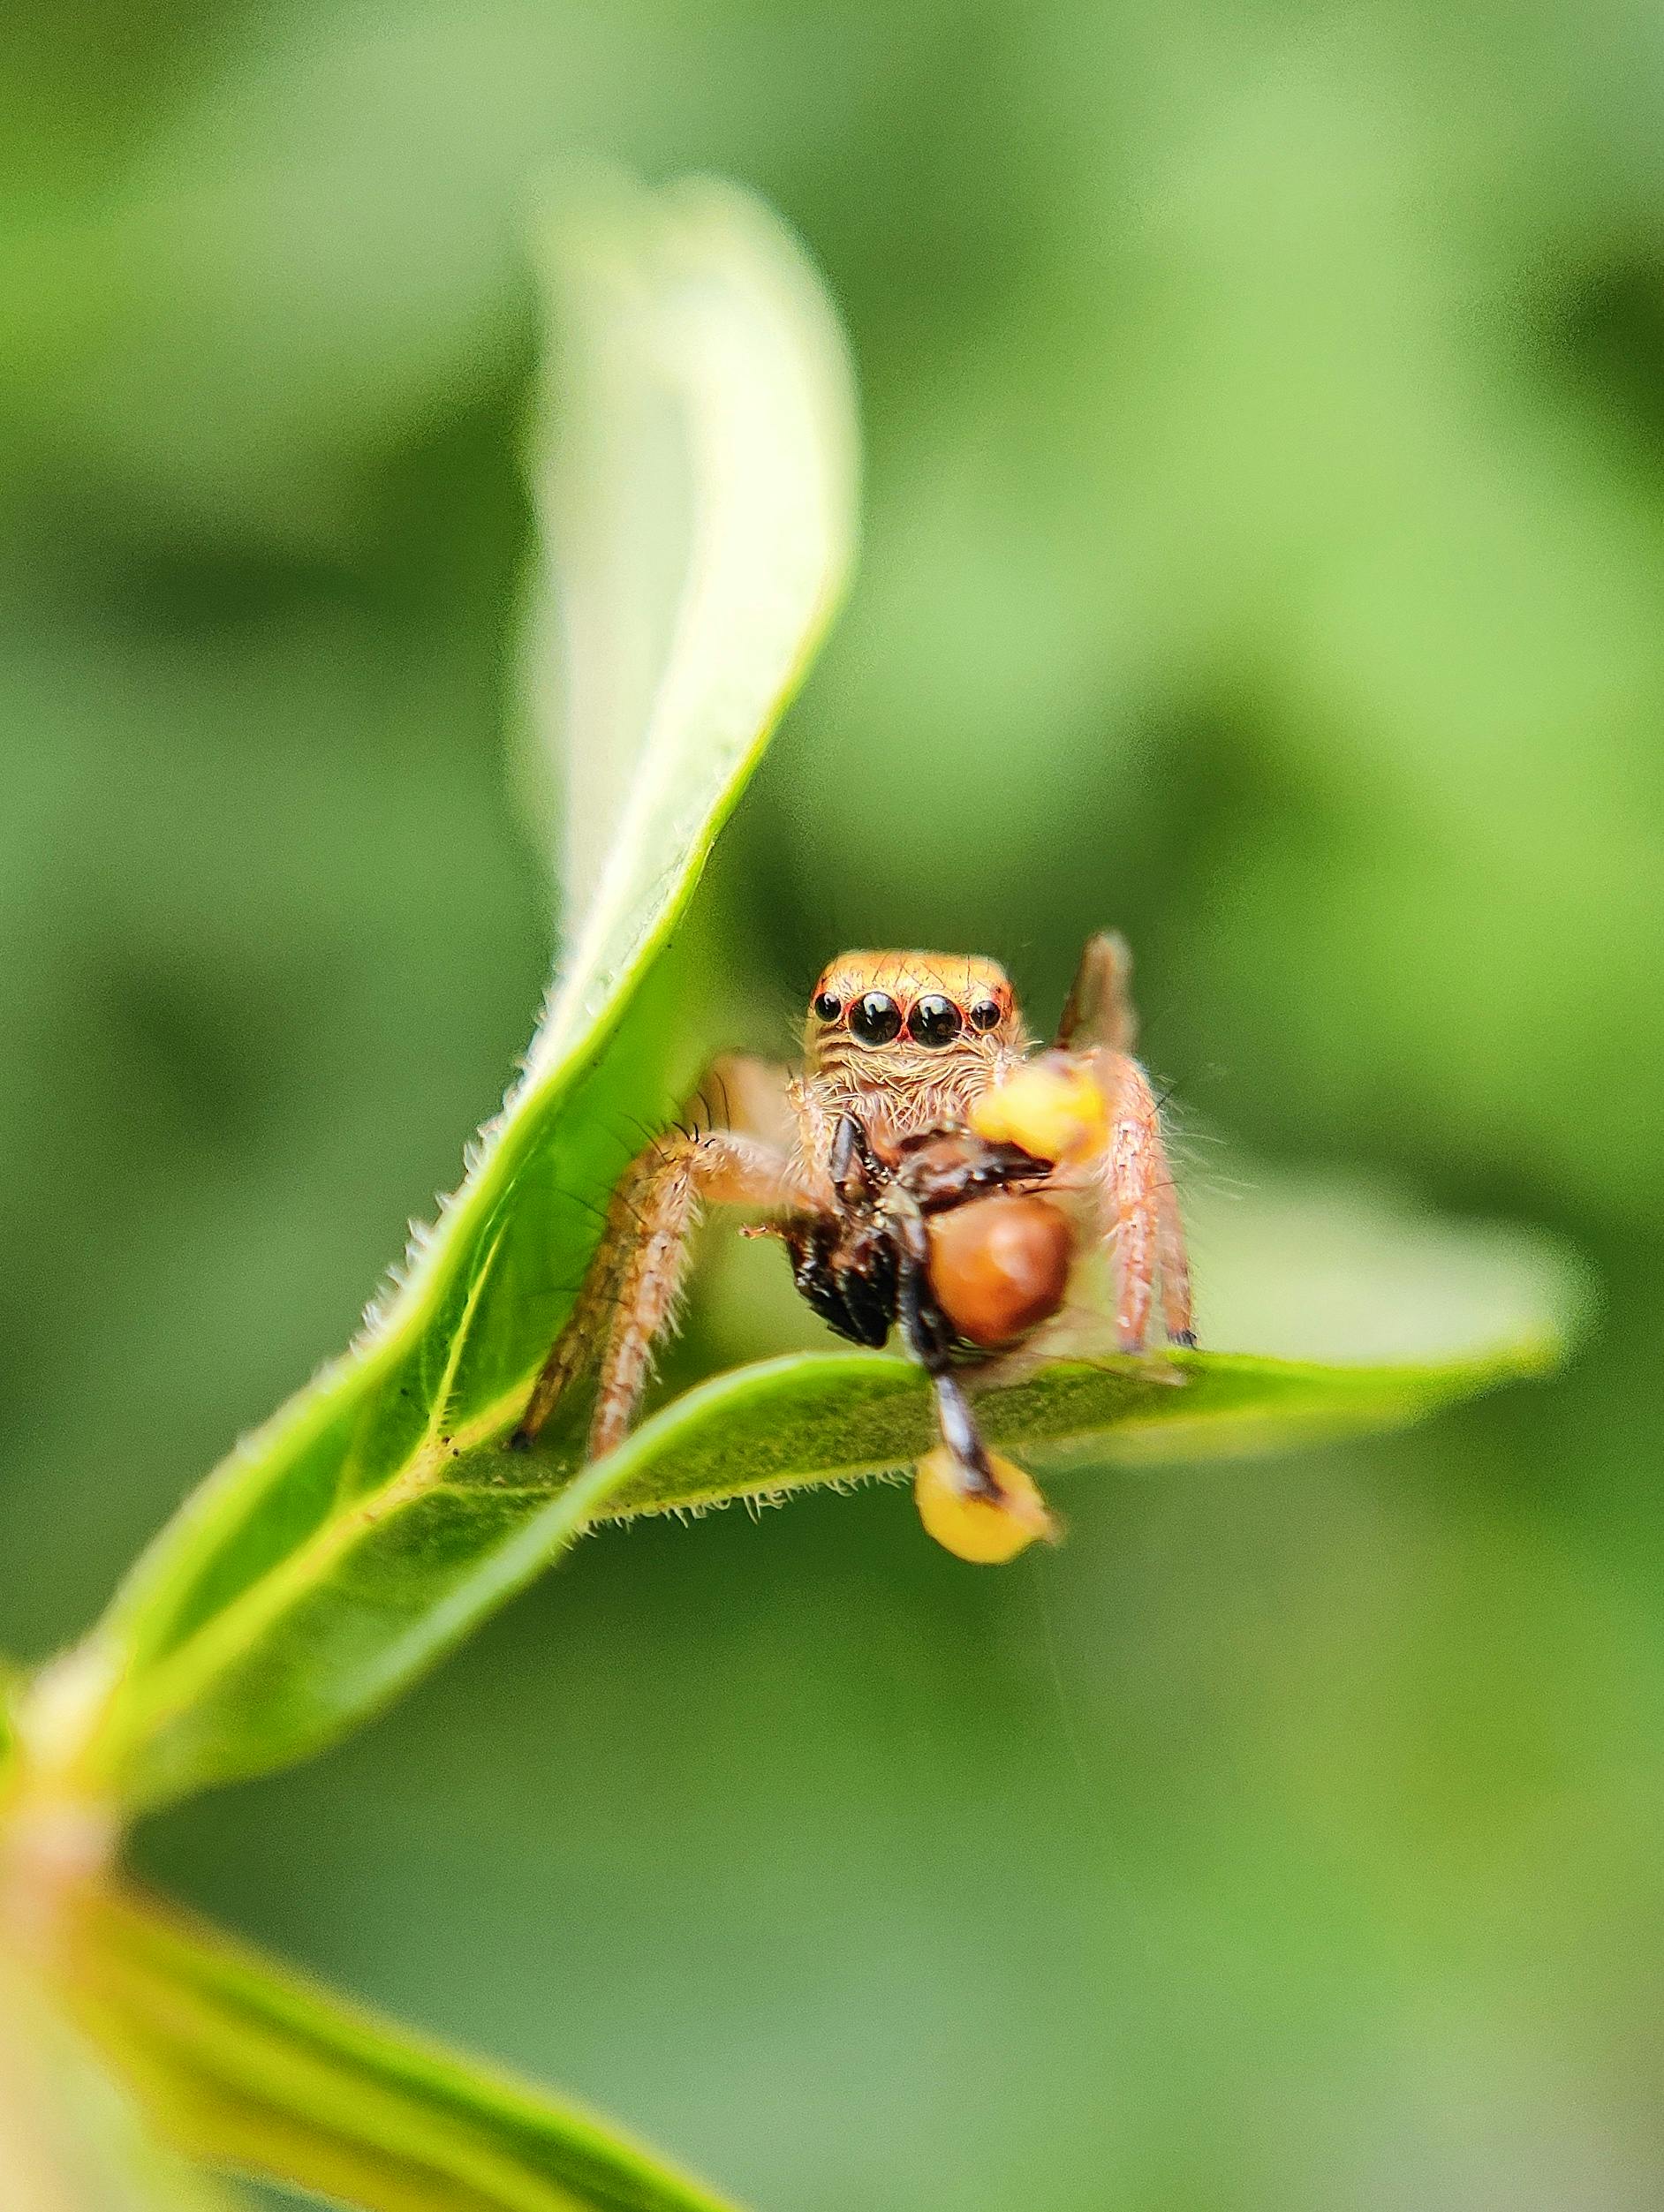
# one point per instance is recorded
(926, 1171)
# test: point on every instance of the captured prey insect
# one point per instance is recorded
(926, 1169)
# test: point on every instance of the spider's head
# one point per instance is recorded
(890, 1021)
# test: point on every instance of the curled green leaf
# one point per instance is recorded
(72, 2137)
(248, 2068)
(332, 1557)
(827, 1418)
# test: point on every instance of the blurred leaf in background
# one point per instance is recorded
(1264, 556)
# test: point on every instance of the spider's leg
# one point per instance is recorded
(1177, 1315)
(630, 1293)
(573, 1350)
(720, 1168)
(1098, 1013)
(1137, 1208)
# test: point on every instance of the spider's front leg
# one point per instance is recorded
(1138, 1204)
(1137, 1208)
(630, 1293)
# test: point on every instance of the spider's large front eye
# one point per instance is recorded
(935, 1020)
(828, 1006)
(875, 1018)
(985, 1014)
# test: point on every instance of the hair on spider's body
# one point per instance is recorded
(925, 1170)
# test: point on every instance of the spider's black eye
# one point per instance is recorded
(935, 1020)
(985, 1014)
(875, 1018)
(828, 1006)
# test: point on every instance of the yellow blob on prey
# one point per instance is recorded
(1052, 1107)
(987, 1531)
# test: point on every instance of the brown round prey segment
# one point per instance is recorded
(1000, 1266)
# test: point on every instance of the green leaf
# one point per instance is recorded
(1335, 1268)
(331, 1558)
(1417, 1315)
(248, 2068)
(817, 1418)
(72, 2139)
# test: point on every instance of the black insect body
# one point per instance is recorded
(847, 1274)
(851, 1267)
(867, 1269)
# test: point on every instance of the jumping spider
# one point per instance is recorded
(924, 1170)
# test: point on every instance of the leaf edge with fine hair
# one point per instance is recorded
(709, 287)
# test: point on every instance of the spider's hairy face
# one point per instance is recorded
(911, 1025)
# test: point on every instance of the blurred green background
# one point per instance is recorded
(1266, 554)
